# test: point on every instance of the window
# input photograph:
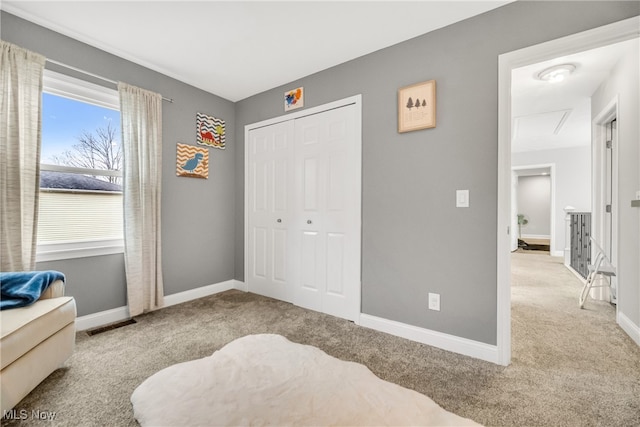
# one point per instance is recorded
(80, 170)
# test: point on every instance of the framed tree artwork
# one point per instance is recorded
(417, 106)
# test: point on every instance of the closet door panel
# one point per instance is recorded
(261, 255)
(280, 254)
(326, 196)
(335, 264)
(270, 171)
(310, 183)
(336, 183)
(308, 291)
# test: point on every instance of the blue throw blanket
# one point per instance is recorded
(23, 288)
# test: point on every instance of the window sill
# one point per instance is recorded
(80, 249)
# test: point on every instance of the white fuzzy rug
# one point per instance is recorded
(268, 380)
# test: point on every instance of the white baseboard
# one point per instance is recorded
(629, 327)
(106, 317)
(575, 273)
(441, 340)
(101, 318)
(196, 293)
(241, 286)
(536, 236)
(557, 253)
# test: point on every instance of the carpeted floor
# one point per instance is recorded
(570, 367)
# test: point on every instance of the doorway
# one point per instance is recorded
(533, 206)
(303, 208)
(599, 37)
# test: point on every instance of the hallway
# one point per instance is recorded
(589, 356)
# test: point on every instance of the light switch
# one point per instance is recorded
(462, 198)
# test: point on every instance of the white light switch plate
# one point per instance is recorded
(462, 198)
(434, 301)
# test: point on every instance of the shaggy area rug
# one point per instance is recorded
(268, 380)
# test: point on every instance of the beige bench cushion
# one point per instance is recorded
(55, 290)
(25, 327)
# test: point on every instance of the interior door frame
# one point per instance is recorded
(599, 180)
(626, 29)
(357, 167)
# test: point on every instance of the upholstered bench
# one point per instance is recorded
(36, 340)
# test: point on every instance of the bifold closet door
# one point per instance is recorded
(270, 211)
(326, 245)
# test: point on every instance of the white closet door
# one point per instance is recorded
(270, 189)
(326, 248)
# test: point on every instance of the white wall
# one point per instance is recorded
(623, 83)
(572, 181)
(534, 201)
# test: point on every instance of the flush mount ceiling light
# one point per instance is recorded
(557, 73)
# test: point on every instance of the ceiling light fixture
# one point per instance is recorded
(557, 73)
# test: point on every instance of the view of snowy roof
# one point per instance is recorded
(73, 181)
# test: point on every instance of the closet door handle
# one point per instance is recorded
(279, 220)
(309, 221)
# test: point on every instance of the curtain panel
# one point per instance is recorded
(141, 112)
(20, 133)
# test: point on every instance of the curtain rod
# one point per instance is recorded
(92, 74)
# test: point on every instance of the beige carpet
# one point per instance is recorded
(570, 367)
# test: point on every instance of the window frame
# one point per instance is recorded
(79, 90)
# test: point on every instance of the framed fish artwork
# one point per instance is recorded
(294, 99)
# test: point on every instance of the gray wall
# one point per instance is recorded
(197, 215)
(534, 201)
(414, 239)
(624, 82)
(97, 283)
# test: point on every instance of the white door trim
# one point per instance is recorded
(613, 33)
(355, 100)
(599, 137)
(598, 181)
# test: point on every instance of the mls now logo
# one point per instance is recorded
(23, 414)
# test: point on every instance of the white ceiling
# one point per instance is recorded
(237, 49)
(558, 115)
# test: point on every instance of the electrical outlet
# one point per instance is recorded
(434, 301)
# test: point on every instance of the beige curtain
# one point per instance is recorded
(141, 112)
(20, 133)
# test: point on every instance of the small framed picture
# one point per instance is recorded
(192, 161)
(209, 131)
(417, 106)
(294, 99)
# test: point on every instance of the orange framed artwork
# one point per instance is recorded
(192, 161)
